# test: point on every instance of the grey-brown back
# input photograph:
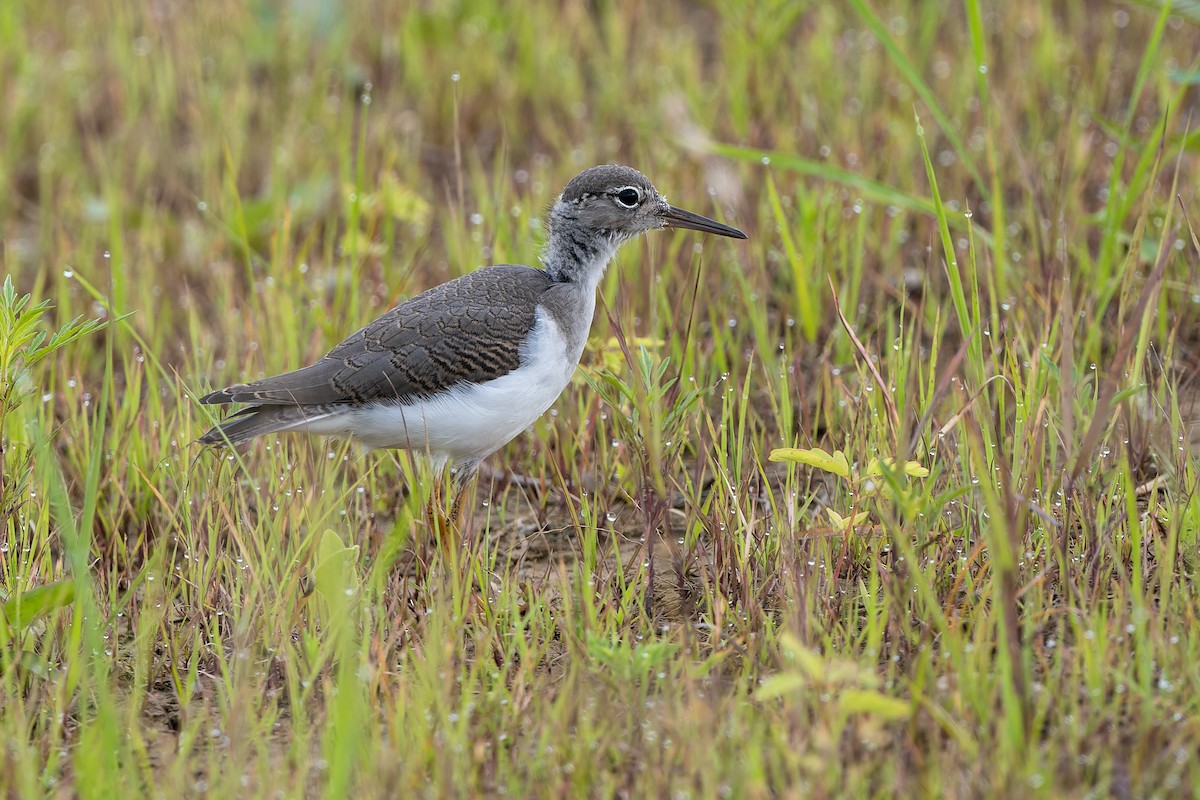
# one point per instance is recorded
(467, 330)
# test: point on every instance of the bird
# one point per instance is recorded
(461, 369)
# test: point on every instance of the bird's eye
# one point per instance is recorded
(629, 197)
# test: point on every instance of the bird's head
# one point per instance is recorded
(620, 202)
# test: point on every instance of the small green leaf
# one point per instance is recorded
(402, 202)
(911, 468)
(628, 662)
(842, 523)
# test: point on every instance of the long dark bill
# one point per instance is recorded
(678, 218)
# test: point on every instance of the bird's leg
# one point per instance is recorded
(448, 528)
(463, 476)
(476, 581)
(456, 508)
(435, 513)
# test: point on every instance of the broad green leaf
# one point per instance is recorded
(24, 607)
(865, 701)
(808, 661)
(335, 575)
(36, 664)
(834, 462)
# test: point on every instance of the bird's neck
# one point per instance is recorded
(574, 254)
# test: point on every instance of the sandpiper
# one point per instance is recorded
(461, 369)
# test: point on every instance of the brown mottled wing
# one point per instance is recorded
(467, 330)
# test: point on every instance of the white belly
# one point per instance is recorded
(472, 421)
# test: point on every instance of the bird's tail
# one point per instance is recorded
(260, 420)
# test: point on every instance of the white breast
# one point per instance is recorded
(472, 421)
